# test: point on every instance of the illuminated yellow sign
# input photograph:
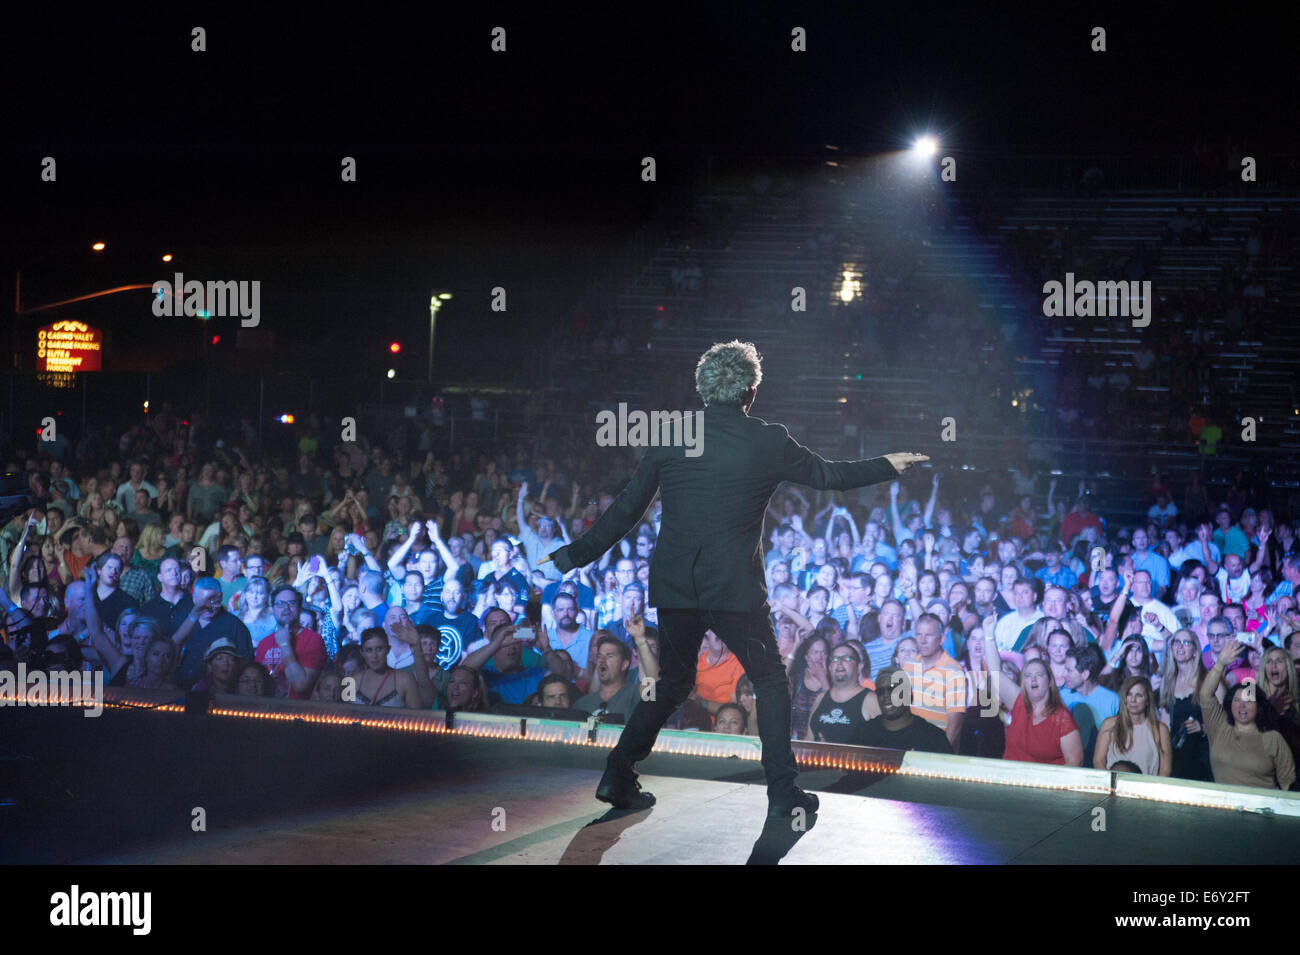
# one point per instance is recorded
(69, 347)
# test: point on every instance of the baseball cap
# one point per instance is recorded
(224, 645)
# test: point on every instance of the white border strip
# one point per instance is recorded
(813, 756)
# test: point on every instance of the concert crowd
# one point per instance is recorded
(1001, 623)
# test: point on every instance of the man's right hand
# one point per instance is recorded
(207, 610)
(902, 460)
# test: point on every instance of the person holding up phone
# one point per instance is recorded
(513, 660)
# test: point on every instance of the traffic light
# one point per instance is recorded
(395, 347)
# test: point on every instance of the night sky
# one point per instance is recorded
(522, 169)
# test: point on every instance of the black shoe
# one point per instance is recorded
(623, 792)
(800, 800)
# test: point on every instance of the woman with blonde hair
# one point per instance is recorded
(1135, 734)
(1181, 676)
(252, 606)
(150, 549)
(92, 507)
(1276, 677)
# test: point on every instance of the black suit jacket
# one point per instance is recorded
(710, 549)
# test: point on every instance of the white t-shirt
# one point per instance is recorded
(1150, 631)
(1008, 628)
(1235, 590)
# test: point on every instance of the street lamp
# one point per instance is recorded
(435, 303)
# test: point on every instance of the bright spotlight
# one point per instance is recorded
(926, 146)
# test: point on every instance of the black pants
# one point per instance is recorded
(750, 637)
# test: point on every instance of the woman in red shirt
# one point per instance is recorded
(1041, 728)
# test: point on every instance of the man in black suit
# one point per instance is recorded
(707, 569)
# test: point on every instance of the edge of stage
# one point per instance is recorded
(281, 781)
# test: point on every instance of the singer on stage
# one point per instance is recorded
(707, 569)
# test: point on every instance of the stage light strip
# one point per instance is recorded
(963, 769)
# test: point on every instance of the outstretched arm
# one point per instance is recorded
(934, 497)
(900, 532)
(431, 528)
(830, 528)
(16, 559)
(396, 563)
(1112, 623)
(1262, 554)
(801, 466)
(622, 516)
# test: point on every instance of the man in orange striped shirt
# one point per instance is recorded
(938, 681)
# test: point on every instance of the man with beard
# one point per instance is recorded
(566, 634)
(572, 583)
(459, 628)
(898, 727)
(840, 714)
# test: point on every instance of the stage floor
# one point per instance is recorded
(514, 802)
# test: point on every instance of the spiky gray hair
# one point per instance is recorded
(726, 371)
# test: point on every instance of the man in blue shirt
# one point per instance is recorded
(511, 667)
(1055, 574)
(1150, 561)
(1089, 703)
(571, 584)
